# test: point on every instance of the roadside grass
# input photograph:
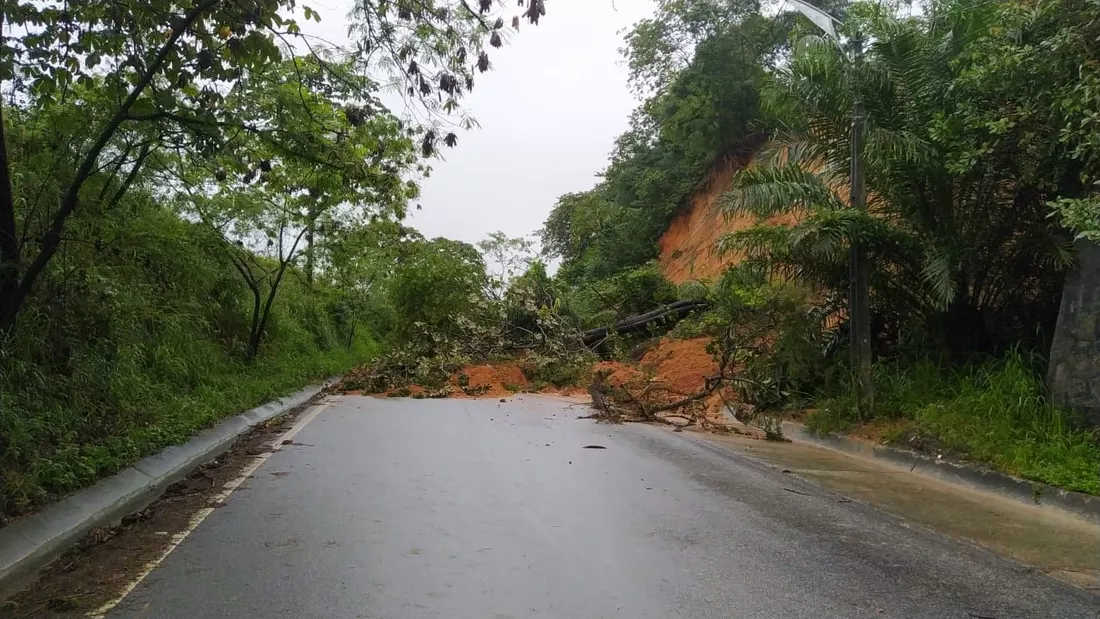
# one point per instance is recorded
(995, 413)
(66, 430)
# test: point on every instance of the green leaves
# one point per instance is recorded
(695, 114)
(1082, 215)
(768, 191)
(958, 155)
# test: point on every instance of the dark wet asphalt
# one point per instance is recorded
(459, 509)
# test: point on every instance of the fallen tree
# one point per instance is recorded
(667, 315)
(761, 337)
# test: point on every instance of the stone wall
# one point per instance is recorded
(1075, 353)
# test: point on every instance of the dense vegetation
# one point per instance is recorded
(198, 208)
(203, 212)
(980, 162)
(697, 113)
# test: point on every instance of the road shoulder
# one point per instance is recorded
(1046, 540)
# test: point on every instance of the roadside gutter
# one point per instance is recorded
(32, 542)
(973, 476)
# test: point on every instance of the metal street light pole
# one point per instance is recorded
(859, 303)
(859, 296)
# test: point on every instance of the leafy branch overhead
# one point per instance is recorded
(129, 84)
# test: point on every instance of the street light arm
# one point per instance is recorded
(827, 23)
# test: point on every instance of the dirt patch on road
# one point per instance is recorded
(671, 370)
(491, 380)
(99, 568)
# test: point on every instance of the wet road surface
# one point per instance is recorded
(477, 509)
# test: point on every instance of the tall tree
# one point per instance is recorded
(304, 159)
(146, 76)
(957, 187)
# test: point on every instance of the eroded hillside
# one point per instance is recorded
(689, 245)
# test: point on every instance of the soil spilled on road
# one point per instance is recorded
(490, 380)
(669, 370)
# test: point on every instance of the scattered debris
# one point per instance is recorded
(678, 421)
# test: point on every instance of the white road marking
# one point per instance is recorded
(201, 515)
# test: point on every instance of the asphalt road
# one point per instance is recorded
(463, 509)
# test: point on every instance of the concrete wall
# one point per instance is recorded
(1075, 353)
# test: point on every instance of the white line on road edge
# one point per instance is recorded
(201, 515)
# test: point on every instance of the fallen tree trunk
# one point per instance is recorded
(673, 312)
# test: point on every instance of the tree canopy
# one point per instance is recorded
(703, 76)
(110, 84)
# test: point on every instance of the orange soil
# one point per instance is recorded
(688, 249)
(682, 365)
(620, 374)
(495, 375)
(689, 245)
(673, 370)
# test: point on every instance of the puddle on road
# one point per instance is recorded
(1053, 542)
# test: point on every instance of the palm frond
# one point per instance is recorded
(757, 241)
(808, 152)
(820, 240)
(939, 276)
(885, 147)
(765, 191)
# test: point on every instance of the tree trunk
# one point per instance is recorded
(255, 329)
(309, 253)
(351, 332)
(10, 304)
(674, 312)
(9, 240)
(1074, 372)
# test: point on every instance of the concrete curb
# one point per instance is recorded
(30, 543)
(976, 477)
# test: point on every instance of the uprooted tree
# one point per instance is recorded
(763, 341)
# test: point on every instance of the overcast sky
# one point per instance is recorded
(549, 111)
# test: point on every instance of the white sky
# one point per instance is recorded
(549, 110)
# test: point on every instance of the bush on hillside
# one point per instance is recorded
(137, 341)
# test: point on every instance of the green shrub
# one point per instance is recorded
(995, 412)
(774, 333)
(136, 344)
(630, 292)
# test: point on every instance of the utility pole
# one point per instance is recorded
(859, 296)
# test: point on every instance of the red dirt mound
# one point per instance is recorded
(620, 374)
(682, 365)
(492, 380)
(669, 372)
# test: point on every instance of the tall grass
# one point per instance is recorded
(126, 352)
(995, 412)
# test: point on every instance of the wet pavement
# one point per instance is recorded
(477, 509)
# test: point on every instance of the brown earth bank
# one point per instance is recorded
(689, 247)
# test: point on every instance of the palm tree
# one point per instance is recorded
(958, 237)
